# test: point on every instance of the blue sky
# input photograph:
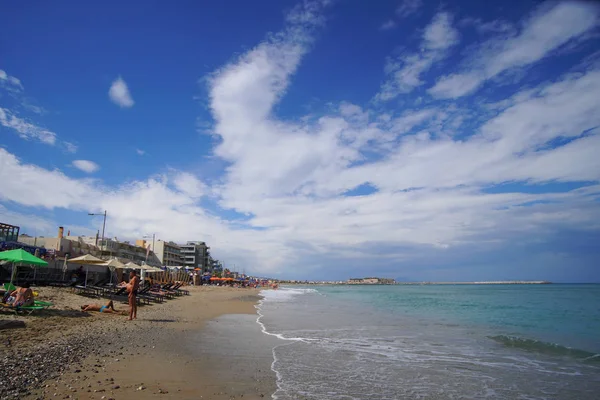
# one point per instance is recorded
(317, 139)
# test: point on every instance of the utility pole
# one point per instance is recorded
(103, 225)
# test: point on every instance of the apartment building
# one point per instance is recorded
(61, 246)
(168, 253)
(196, 255)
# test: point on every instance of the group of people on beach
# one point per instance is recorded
(132, 288)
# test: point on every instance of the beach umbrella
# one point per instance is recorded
(86, 260)
(113, 265)
(20, 257)
(142, 268)
(132, 265)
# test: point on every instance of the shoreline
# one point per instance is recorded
(105, 355)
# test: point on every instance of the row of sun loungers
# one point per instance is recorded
(146, 295)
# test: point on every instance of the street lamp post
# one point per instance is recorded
(103, 227)
(103, 223)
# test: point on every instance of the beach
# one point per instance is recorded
(166, 353)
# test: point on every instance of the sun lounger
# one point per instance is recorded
(37, 306)
(146, 294)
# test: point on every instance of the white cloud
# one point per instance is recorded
(26, 221)
(404, 73)
(440, 34)
(10, 82)
(86, 166)
(26, 130)
(119, 94)
(408, 8)
(389, 24)
(70, 147)
(140, 152)
(190, 185)
(545, 31)
(489, 27)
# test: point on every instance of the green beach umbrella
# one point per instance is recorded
(20, 257)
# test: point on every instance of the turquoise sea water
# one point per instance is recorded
(435, 341)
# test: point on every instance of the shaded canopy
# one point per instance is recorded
(20, 256)
(115, 264)
(87, 259)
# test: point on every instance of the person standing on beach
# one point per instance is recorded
(132, 289)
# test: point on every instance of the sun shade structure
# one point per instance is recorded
(132, 265)
(86, 260)
(20, 257)
(114, 264)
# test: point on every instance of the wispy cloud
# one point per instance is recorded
(404, 73)
(545, 31)
(389, 24)
(408, 8)
(86, 166)
(404, 10)
(140, 152)
(10, 82)
(119, 94)
(70, 147)
(24, 129)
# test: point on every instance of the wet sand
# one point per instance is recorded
(166, 353)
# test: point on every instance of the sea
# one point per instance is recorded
(434, 341)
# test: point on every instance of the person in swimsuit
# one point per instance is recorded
(108, 308)
(22, 297)
(132, 289)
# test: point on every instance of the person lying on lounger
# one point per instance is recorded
(22, 297)
(107, 308)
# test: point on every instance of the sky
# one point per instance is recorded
(324, 139)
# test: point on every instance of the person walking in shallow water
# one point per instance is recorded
(132, 290)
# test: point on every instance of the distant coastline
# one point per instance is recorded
(413, 283)
(478, 283)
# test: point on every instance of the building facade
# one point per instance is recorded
(62, 246)
(75, 246)
(196, 255)
(9, 233)
(126, 251)
(168, 253)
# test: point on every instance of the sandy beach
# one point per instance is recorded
(65, 353)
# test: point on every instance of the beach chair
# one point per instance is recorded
(146, 294)
(85, 290)
(99, 287)
(182, 291)
(28, 310)
(159, 292)
(121, 295)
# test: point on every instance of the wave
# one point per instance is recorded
(537, 346)
(284, 294)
